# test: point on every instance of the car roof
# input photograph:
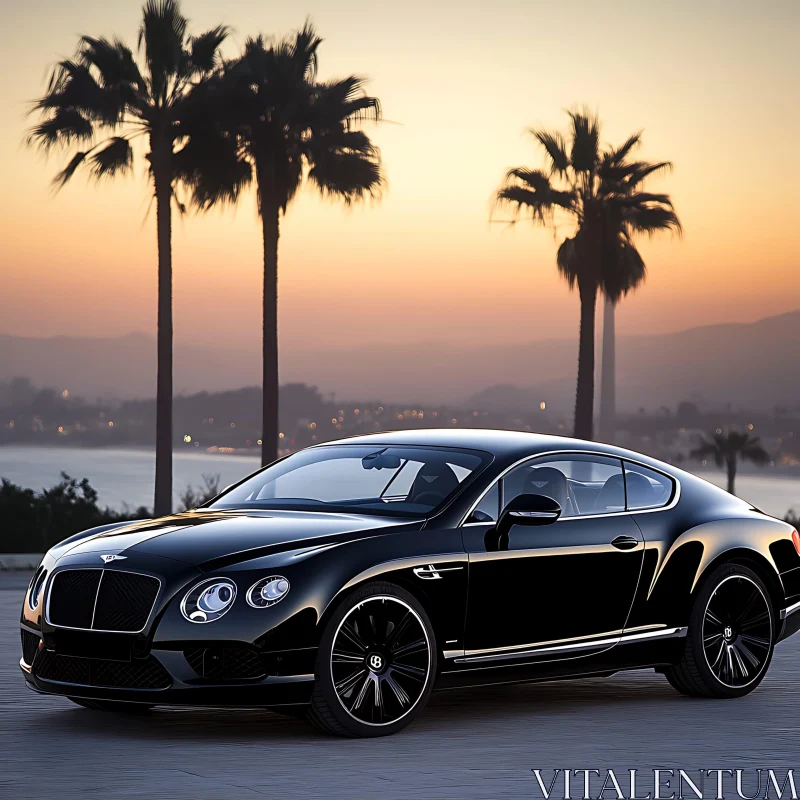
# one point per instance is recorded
(511, 444)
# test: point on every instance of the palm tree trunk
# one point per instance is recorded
(731, 463)
(584, 395)
(608, 391)
(163, 188)
(270, 222)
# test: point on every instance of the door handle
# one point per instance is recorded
(625, 542)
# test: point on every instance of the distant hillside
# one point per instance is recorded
(749, 365)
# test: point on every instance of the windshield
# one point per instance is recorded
(394, 480)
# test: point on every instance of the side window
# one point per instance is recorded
(647, 488)
(488, 510)
(580, 484)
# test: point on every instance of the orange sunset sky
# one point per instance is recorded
(713, 84)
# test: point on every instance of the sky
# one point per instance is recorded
(713, 85)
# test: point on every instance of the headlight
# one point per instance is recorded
(209, 600)
(268, 591)
(35, 591)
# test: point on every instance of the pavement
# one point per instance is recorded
(480, 743)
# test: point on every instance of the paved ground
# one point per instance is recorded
(466, 744)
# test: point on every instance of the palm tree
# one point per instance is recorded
(599, 191)
(727, 449)
(104, 100)
(623, 275)
(286, 128)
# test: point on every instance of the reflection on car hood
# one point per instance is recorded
(199, 537)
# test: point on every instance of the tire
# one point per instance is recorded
(112, 705)
(731, 636)
(376, 664)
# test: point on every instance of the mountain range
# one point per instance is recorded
(749, 365)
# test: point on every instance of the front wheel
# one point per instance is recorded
(376, 663)
(731, 636)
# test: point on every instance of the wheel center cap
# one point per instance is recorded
(728, 632)
(376, 662)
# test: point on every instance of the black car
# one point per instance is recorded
(348, 580)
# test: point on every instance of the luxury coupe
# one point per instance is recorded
(347, 581)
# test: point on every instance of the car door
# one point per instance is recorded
(559, 584)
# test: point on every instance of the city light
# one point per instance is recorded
(187, 438)
(65, 393)
(543, 405)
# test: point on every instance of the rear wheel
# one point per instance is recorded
(112, 705)
(731, 636)
(375, 665)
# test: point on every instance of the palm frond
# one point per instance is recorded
(567, 262)
(651, 219)
(618, 155)
(114, 159)
(211, 167)
(68, 171)
(349, 176)
(556, 149)
(162, 37)
(623, 272)
(113, 61)
(64, 127)
(204, 49)
(343, 100)
(585, 139)
(303, 51)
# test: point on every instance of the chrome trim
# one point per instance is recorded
(403, 563)
(672, 503)
(217, 579)
(270, 603)
(586, 644)
(52, 580)
(786, 612)
(431, 573)
(25, 667)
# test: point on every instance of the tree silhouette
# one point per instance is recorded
(103, 100)
(727, 449)
(600, 193)
(285, 128)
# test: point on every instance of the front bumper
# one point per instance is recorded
(185, 687)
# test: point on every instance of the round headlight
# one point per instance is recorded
(209, 600)
(268, 591)
(37, 585)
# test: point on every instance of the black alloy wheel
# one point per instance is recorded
(375, 665)
(731, 636)
(737, 631)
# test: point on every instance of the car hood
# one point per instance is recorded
(206, 538)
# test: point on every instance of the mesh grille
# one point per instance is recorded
(124, 601)
(225, 663)
(30, 644)
(103, 600)
(147, 673)
(72, 595)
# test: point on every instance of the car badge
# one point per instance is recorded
(109, 559)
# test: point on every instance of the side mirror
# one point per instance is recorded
(528, 509)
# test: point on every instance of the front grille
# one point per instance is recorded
(146, 673)
(30, 644)
(225, 663)
(101, 600)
